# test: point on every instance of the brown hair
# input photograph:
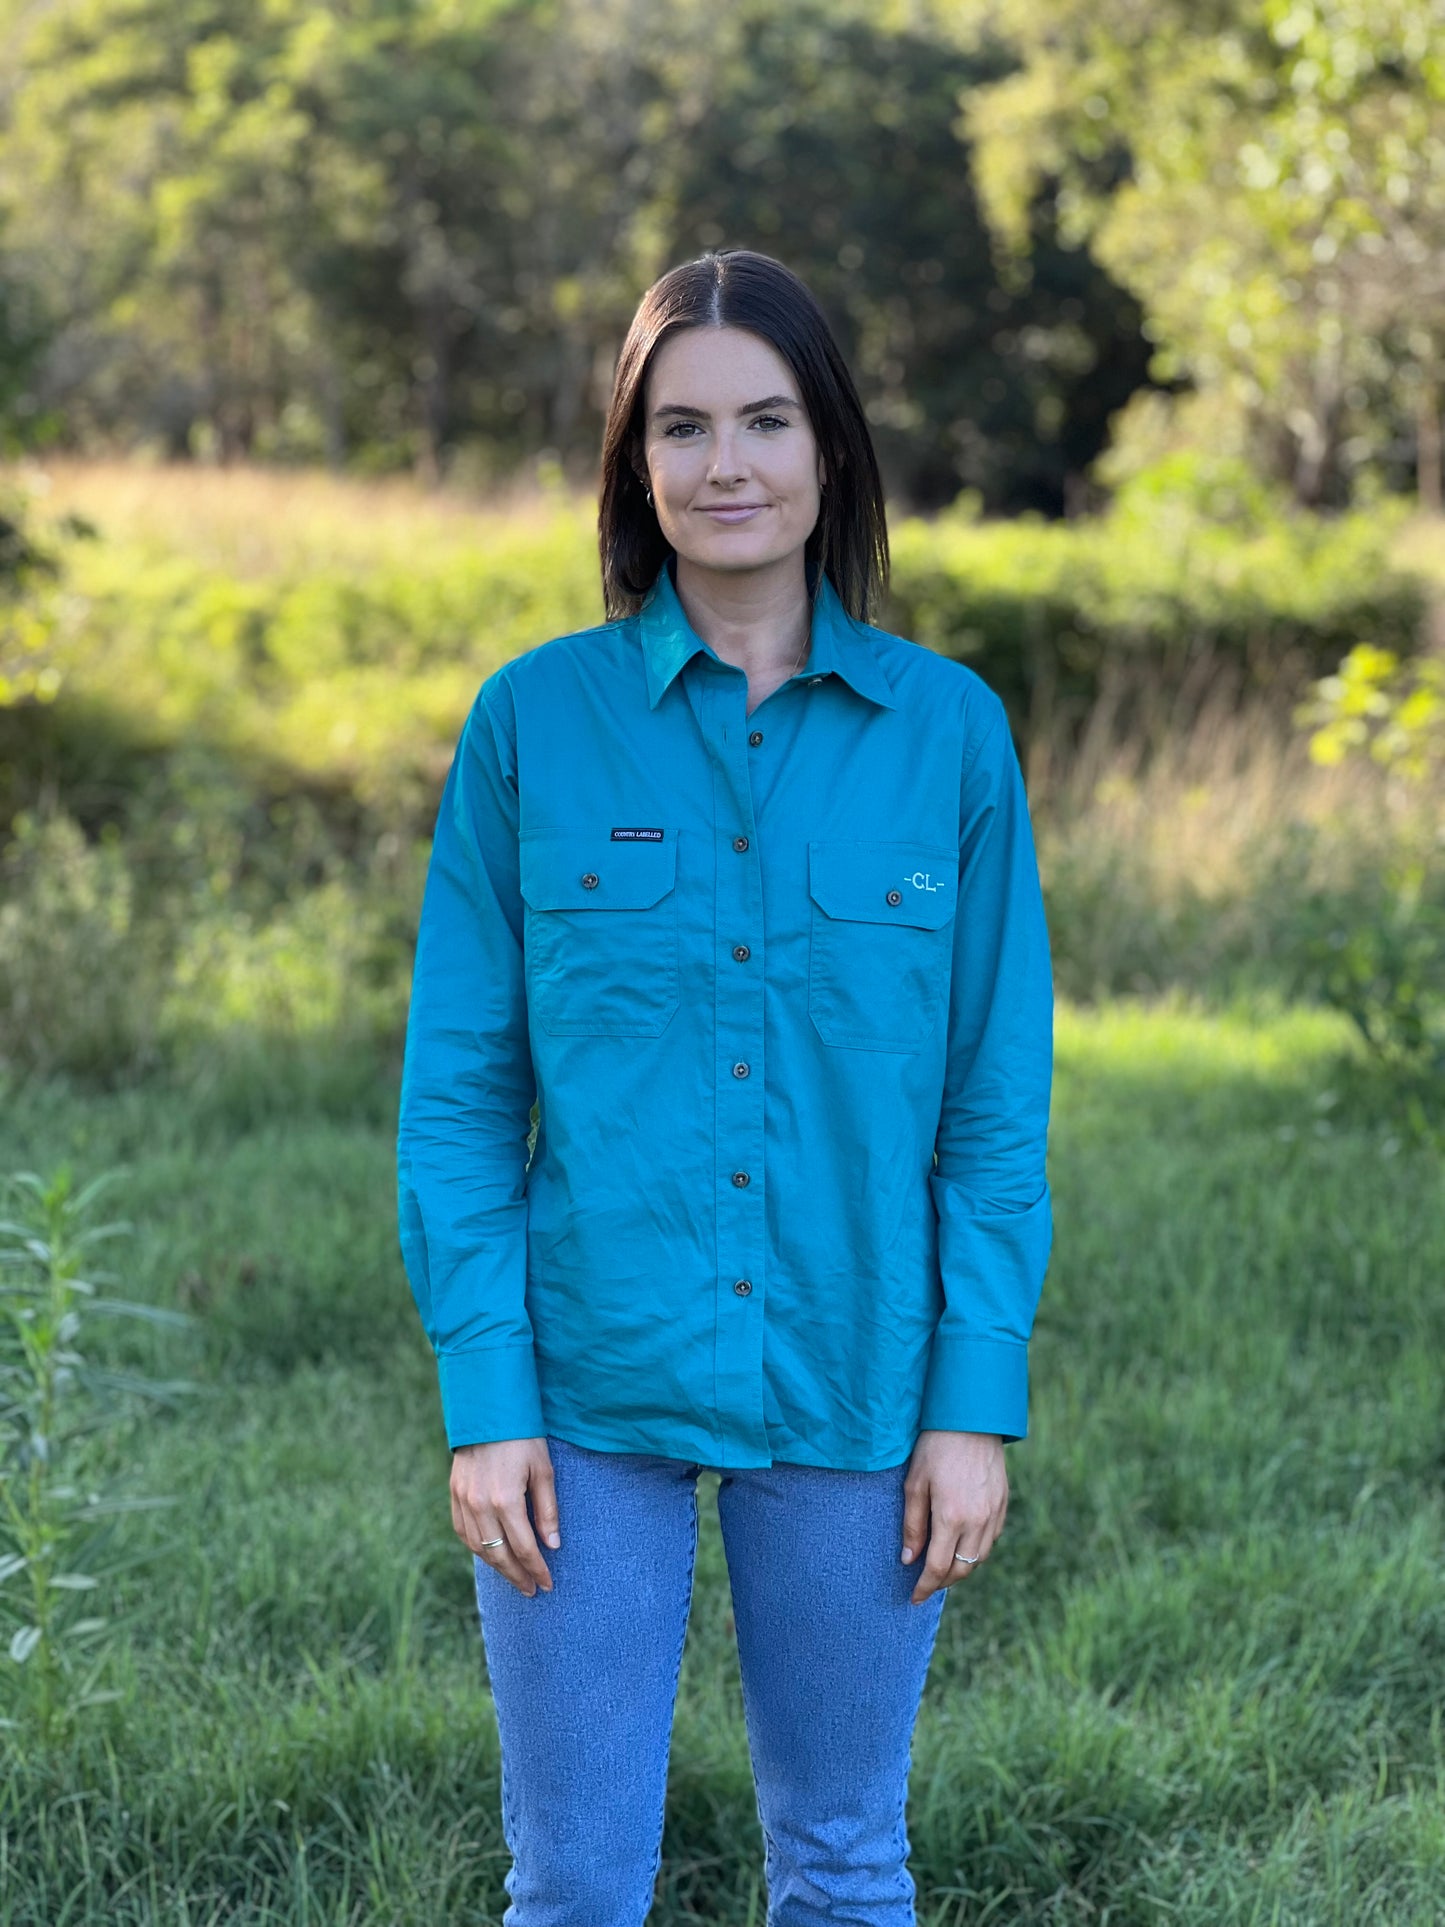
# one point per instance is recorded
(735, 287)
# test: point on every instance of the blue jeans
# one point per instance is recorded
(833, 1658)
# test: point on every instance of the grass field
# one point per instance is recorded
(1197, 1683)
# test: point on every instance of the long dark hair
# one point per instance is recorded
(735, 287)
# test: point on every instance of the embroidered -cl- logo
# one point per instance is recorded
(922, 880)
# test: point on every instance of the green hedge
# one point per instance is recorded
(354, 678)
(1049, 612)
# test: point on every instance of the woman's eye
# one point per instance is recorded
(683, 431)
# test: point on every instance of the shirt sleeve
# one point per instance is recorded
(995, 1223)
(467, 1090)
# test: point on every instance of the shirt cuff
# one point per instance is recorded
(490, 1395)
(977, 1385)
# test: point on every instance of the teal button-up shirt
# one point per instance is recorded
(780, 987)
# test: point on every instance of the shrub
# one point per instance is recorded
(1378, 954)
(1152, 595)
(77, 974)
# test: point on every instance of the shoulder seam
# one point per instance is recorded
(983, 732)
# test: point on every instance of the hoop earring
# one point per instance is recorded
(648, 493)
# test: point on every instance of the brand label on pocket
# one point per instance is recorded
(637, 836)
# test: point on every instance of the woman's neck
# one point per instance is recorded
(758, 619)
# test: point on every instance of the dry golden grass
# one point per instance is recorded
(256, 522)
(266, 516)
(1196, 782)
(1420, 546)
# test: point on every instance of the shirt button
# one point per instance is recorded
(743, 1287)
(740, 842)
(589, 879)
(741, 952)
(895, 896)
(756, 738)
(741, 1178)
(740, 1070)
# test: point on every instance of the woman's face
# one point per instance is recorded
(731, 457)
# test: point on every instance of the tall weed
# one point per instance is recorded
(58, 1544)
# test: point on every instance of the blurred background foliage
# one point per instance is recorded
(307, 321)
(220, 811)
(410, 233)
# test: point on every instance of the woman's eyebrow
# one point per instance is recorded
(751, 408)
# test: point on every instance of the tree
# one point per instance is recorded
(1282, 215)
(394, 230)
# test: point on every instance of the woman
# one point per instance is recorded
(742, 891)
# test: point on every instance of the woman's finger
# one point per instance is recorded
(950, 1535)
(544, 1503)
(487, 1522)
(522, 1542)
(915, 1515)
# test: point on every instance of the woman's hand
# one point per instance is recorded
(489, 1501)
(959, 1478)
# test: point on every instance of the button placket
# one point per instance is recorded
(740, 1097)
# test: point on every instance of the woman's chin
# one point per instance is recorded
(736, 553)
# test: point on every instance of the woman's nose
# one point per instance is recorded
(728, 464)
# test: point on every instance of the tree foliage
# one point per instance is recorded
(1267, 177)
(412, 231)
(416, 229)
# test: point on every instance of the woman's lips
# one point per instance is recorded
(743, 512)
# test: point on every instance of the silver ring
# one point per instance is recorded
(966, 1560)
(494, 1542)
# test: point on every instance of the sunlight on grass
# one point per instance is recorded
(257, 522)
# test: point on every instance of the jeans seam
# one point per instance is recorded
(900, 1831)
(902, 1828)
(676, 1677)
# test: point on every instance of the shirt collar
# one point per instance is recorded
(838, 646)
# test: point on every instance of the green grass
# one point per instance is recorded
(1197, 1683)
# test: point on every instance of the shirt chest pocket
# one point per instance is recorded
(880, 941)
(600, 935)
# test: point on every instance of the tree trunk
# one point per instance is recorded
(333, 414)
(1428, 451)
(1316, 425)
(436, 400)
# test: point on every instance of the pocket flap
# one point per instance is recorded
(853, 880)
(629, 876)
